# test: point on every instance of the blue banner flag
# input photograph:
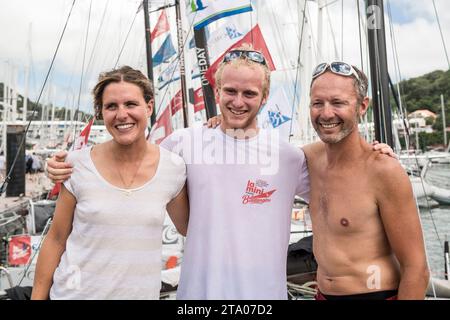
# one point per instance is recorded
(164, 53)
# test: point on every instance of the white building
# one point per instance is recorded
(418, 120)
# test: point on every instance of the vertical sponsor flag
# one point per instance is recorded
(255, 38)
(162, 26)
(172, 73)
(224, 37)
(167, 49)
(199, 103)
(168, 75)
(79, 143)
(176, 103)
(203, 12)
(165, 52)
(276, 114)
(162, 127)
(19, 250)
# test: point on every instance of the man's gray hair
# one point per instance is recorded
(361, 85)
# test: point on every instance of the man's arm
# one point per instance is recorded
(57, 169)
(400, 218)
(178, 209)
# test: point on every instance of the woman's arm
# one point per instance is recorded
(178, 209)
(54, 245)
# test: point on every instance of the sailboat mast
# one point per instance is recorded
(148, 47)
(443, 120)
(181, 62)
(379, 71)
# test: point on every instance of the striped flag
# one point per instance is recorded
(161, 26)
(255, 38)
(165, 52)
(203, 12)
(176, 103)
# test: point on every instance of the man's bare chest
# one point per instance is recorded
(342, 199)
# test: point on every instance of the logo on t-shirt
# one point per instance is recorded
(255, 192)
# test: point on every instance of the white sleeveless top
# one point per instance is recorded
(114, 248)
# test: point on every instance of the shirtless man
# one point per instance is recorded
(367, 235)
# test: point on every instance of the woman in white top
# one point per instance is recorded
(106, 236)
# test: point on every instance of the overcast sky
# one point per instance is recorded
(30, 29)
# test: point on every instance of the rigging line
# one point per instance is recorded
(342, 30)
(332, 30)
(41, 240)
(280, 36)
(422, 178)
(251, 21)
(22, 142)
(313, 41)
(82, 70)
(360, 36)
(298, 69)
(397, 69)
(442, 36)
(290, 11)
(32, 71)
(69, 88)
(98, 34)
(365, 33)
(106, 57)
(391, 32)
(140, 56)
(126, 38)
(328, 4)
(405, 122)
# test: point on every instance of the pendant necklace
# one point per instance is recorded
(127, 190)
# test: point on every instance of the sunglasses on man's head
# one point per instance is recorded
(254, 56)
(337, 67)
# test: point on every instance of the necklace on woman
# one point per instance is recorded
(127, 186)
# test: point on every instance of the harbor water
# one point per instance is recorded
(436, 221)
(436, 227)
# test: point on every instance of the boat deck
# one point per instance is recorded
(35, 185)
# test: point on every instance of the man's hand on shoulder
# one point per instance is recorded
(57, 169)
(312, 149)
(388, 173)
(214, 121)
(384, 148)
